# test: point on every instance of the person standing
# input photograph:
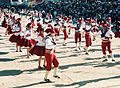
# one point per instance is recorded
(106, 35)
(50, 55)
(88, 41)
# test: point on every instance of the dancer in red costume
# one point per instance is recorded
(39, 48)
(16, 31)
(27, 40)
(106, 35)
(50, 55)
(88, 41)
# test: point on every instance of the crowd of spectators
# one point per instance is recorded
(99, 9)
(86, 8)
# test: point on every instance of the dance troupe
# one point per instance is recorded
(41, 41)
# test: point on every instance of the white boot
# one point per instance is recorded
(112, 57)
(79, 46)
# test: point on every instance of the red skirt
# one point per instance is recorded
(117, 34)
(38, 50)
(27, 42)
(15, 39)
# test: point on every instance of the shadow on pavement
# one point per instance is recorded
(79, 64)
(108, 64)
(32, 84)
(2, 53)
(83, 83)
(6, 59)
(10, 72)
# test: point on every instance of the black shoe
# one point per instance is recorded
(105, 60)
(27, 56)
(64, 44)
(47, 80)
(39, 67)
(87, 53)
(44, 66)
(113, 60)
(16, 50)
(20, 50)
(56, 76)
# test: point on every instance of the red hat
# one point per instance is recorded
(49, 25)
(39, 29)
(39, 25)
(65, 18)
(18, 19)
(49, 30)
(28, 25)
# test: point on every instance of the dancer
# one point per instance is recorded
(39, 48)
(27, 40)
(16, 31)
(50, 55)
(88, 41)
(106, 35)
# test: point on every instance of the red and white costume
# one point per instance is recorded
(78, 31)
(27, 40)
(64, 26)
(16, 31)
(39, 48)
(106, 36)
(49, 53)
(88, 35)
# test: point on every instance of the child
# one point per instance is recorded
(39, 48)
(27, 40)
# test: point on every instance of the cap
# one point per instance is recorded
(49, 30)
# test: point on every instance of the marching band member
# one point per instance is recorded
(49, 55)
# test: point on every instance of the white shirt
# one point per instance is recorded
(28, 34)
(49, 44)
(109, 34)
(41, 41)
(16, 29)
(88, 27)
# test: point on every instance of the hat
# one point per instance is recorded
(28, 25)
(49, 30)
(39, 25)
(39, 29)
(18, 19)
